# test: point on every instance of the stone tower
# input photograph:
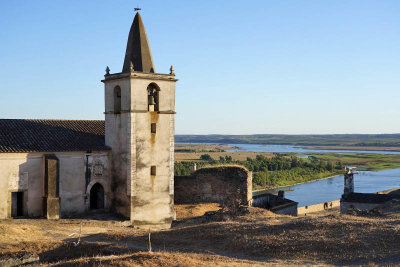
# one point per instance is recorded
(348, 181)
(139, 128)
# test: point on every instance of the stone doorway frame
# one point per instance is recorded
(105, 186)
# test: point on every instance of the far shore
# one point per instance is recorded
(368, 148)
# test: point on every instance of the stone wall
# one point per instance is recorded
(215, 184)
(317, 207)
(286, 209)
(277, 204)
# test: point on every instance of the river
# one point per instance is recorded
(331, 188)
(299, 149)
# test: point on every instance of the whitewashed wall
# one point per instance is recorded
(24, 172)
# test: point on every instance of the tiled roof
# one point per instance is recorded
(18, 135)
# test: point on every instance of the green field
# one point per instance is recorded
(367, 161)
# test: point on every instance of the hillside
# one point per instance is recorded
(257, 238)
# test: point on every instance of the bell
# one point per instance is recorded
(151, 100)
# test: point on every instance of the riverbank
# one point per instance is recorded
(276, 188)
(332, 189)
(304, 210)
(282, 175)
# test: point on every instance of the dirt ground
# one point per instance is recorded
(257, 238)
(194, 151)
(185, 211)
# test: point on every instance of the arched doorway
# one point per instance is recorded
(97, 197)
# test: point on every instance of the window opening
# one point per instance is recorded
(117, 99)
(153, 171)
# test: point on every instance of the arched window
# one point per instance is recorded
(117, 99)
(154, 96)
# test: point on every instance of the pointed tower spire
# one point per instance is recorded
(138, 48)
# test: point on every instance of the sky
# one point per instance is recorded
(244, 67)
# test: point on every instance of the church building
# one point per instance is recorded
(124, 164)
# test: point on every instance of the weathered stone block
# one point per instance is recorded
(52, 209)
(51, 201)
(51, 176)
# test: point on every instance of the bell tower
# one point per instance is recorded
(139, 128)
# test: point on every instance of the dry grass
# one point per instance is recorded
(215, 151)
(259, 237)
(159, 259)
(185, 211)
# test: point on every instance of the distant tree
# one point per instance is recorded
(206, 157)
(339, 165)
(294, 162)
(260, 157)
(312, 158)
(329, 166)
(260, 178)
(212, 161)
(228, 158)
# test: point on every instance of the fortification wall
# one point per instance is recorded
(215, 184)
(317, 207)
(286, 209)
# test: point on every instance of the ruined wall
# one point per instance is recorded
(277, 204)
(24, 172)
(214, 184)
(345, 206)
(286, 209)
